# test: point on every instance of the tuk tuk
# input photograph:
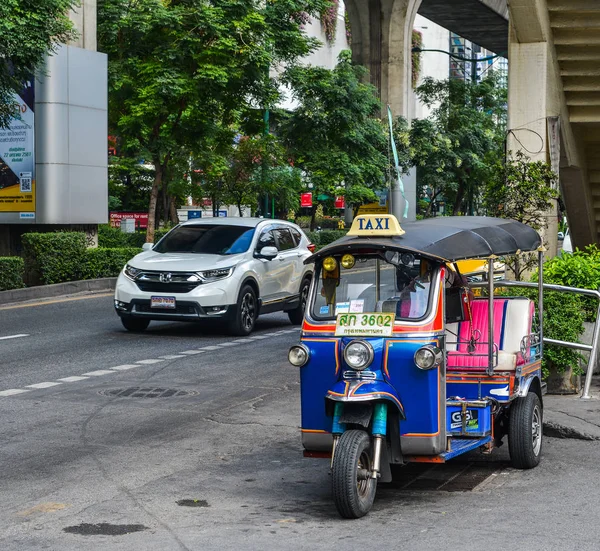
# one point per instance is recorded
(401, 361)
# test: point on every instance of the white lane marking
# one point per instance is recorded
(14, 336)
(73, 379)
(258, 337)
(13, 391)
(149, 362)
(98, 373)
(234, 343)
(43, 385)
(171, 357)
(209, 348)
(124, 367)
(270, 334)
(192, 352)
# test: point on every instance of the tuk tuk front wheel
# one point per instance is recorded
(353, 487)
(525, 431)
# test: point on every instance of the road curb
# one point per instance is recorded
(556, 430)
(57, 289)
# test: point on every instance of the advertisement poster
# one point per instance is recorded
(17, 160)
(306, 199)
(141, 218)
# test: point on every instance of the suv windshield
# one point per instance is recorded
(207, 239)
(373, 285)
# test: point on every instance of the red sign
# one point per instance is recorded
(306, 199)
(338, 203)
(141, 218)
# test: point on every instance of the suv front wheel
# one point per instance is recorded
(245, 313)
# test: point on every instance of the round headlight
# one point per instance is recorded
(358, 355)
(298, 355)
(329, 264)
(428, 357)
(348, 261)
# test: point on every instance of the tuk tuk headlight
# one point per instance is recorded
(358, 355)
(298, 355)
(329, 264)
(348, 261)
(428, 357)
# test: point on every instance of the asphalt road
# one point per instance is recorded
(219, 466)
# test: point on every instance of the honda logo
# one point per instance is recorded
(166, 277)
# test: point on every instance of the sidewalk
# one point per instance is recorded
(571, 417)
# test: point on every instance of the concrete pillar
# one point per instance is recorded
(84, 18)
(531, 99)
(381, 41)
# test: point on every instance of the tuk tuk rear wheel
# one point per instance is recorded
(525, 431)
(352, 485)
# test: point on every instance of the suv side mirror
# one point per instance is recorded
(268, 252)
(147, 246)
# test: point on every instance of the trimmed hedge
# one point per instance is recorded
(109, 237)
(325, 237)
(107, 262)
(53, 257)
(12, 272)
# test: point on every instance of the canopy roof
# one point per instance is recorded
(448, 238)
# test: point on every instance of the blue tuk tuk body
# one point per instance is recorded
(431, 388)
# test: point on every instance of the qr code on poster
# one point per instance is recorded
(25, 181)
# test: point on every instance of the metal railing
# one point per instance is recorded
(592, 349)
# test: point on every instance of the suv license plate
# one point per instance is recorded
(162, 302)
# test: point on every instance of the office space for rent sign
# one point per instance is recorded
(17, 160)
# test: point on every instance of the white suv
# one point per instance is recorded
(231, 269)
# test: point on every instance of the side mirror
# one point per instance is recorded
(147, 246)
(268, 252)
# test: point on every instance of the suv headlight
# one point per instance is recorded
(358, 355)
(216, 274)
(131, 272)
(428, 357)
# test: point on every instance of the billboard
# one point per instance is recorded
(141, 218)
(17, 159)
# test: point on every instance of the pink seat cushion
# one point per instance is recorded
(480, 322)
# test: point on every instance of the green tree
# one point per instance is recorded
(29, 29)
(182, 70)
(522, 190)
(455, 149)
(334, 135)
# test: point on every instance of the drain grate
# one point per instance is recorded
(146, 392)
(104, 529)
(449, 477)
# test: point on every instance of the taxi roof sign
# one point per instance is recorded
(376, 225)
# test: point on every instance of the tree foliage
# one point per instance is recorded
(334, 135)
(29, 29)
(455, 149)
(182, 71)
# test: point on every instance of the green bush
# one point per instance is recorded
(578, 269)
(106, 262)
(111, 238)
(53, 257)
(325, 237)
(12, 271)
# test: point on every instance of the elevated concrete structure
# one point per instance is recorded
(554, 71)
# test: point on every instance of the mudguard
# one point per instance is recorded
(366, 391)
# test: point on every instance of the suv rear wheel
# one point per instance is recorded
(244, 317)
(297, 314)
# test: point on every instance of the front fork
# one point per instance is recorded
(379, 431)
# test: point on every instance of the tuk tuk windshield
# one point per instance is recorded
(372, 284)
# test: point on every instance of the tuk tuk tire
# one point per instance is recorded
(525, 431)
(353, 498)
(297, 314)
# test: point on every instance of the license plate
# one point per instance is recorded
(162, 302)
(376, 324)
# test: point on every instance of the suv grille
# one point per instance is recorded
(167, 282)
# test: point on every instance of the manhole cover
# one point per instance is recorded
(146, 392)
(104, 529)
